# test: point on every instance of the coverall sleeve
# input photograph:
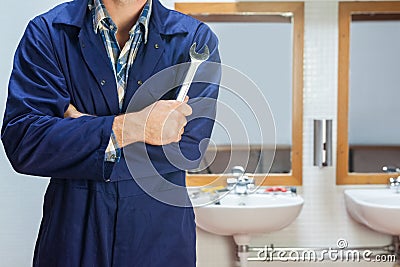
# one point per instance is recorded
(36, 137)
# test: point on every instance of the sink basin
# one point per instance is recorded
(379, 209)
(245, 215)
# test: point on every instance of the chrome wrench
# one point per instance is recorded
(195, 60)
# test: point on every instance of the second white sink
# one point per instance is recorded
(379, 209)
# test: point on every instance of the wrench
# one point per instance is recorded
(195, 60)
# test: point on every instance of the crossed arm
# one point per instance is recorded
(161, 123)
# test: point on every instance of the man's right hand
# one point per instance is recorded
(161, 123)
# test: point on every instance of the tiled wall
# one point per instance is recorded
(323, 219)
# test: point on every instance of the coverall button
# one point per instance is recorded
(156, 46)
(103, 82)
(139, 82)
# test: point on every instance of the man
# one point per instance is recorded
(75, 72)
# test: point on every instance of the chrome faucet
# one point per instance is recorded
(389, 169)
(394, 184)
(240, 182)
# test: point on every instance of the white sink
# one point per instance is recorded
(242, 216)
(379, 209)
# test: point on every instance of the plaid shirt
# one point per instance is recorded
(120, 59)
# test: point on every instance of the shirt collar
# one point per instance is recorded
(102, 19)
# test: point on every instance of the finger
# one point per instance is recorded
(177, 103)
(181, 123)
(70, 111)
(71, 107)
(185, 122)
(179, 137)
(185, 109)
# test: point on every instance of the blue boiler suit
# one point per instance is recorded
(94, 212)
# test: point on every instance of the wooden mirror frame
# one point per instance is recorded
(346, 10)
(261, 12)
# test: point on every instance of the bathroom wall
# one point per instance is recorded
(20, 196)
(323, 219)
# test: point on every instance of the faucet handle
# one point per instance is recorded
(230, 182)
(250, 181)
(394, 184)
(394, 181)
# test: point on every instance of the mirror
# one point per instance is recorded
(270, 52)
(374, 128)
(368, 121)
(268, 62)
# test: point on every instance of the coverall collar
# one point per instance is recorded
(74, 15)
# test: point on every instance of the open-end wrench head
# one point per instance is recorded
(199, 56)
